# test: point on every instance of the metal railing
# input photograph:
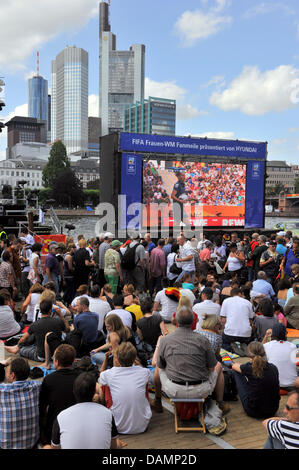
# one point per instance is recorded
(55, 221)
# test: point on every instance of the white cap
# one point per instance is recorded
(281, 233)
(108, 235)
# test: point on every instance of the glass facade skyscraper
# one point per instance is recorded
(152, 116)
(69, 99)
(38, 98)
(121, 75)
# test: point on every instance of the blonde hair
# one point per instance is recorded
(82, 243)
(184, 302)
(36, 288)
(47, 294)
(210, 322)
(257, 352)
(129, 288)
(126, 354)
(117, 326)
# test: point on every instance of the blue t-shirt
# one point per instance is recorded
(87, 322)
(281, 249)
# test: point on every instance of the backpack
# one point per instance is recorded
(230, 388)
(128, 258)
(174, 269)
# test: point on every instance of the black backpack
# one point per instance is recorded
(128, 258)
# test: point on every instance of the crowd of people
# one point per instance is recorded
(212, 184)
(107, 321)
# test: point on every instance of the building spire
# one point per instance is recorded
(37, 64)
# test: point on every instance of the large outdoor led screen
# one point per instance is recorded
(208, 194)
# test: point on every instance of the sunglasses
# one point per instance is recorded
(289, 408)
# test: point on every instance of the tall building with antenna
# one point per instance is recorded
(38, 96)
(121, 75)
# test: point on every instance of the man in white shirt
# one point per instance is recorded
(206, 307)
(124, 315)
(168, 305)
(237, 319)
(127, 391)
(98, 306)
(185, 259)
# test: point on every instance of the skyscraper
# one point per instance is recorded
(38, 98)
(69, 99)
(121, 75)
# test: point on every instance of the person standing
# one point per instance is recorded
(186, 258)
(157, 268)
(104, 246)
(112, 269)
(52, 267)
(82, 263)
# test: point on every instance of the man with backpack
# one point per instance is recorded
(133, 264)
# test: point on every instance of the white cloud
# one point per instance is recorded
(216, 135)
(30, 74)
(21, 110)
(265, 8)
(170, 90)
(218, 80)
(93, 105)
(198, 24)
(257, 93)
(26, 25)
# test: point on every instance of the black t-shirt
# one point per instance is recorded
(43, 326)
(263, 393)
(80, 256)
(57, 394)
(150, 329)
(258, 251)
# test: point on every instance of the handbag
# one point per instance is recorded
(174, 269)
(32, 276)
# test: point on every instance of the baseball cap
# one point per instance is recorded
(53, 245)
(116, 243)
(108, 235)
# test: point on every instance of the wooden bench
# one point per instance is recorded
(200, 403)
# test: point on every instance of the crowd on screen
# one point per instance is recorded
(213, 184)
(106, 321)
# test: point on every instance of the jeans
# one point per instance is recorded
(155, 283)
(272, 443)
(185, 272)
(227, 340)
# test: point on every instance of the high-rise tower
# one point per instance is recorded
(38, 96)
(69, 99)
(121, 75)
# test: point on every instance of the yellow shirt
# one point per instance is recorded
(136, 310)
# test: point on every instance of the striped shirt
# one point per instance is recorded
(19, 417)
(287, 432)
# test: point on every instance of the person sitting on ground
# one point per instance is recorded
(283, 287)
(87, 323)
(57, 389)
(37, 331)
(19, 404)
(186, 364)
(185, 302)
(128, 318)
(266, 320)
(150, 326)
(31, 301)
(226, 291)
(97, 428)
(262, 286)
(97, 305)
(282, 354)
(210, 328)
(291, 309)
(117, 334)
(257, 383)
(107, 295)
(166, 301)
(129, 295)
(207, 306)
(237, 319)
(126, 391)
(8, 325)
(279, 314)
(49, 294)
(283, 433)
(82, 291)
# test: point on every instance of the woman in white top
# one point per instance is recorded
(235, 260)
(31, 301)
(170, 260)
(35, 270)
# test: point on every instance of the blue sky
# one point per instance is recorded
(232, 65)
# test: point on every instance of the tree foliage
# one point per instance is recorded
(58, 162)
(67, 190)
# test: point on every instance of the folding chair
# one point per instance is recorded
(200, 402)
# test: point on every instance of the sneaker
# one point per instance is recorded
(236, 347)
(156, 405)
(244, 349)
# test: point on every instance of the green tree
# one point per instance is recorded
(95, 184)
(91, 196)
(67, 189)
(57, 163)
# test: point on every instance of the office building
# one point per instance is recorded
(13, 171)
(38, 98)
(121, 75)
(280, 173)
(152, 116)
(22, 129)
(69, 99)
